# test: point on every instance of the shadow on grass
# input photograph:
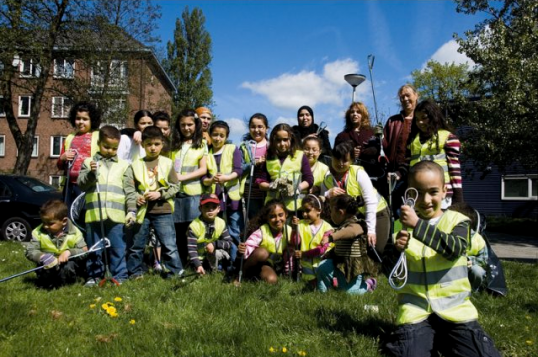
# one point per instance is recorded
(339, 321)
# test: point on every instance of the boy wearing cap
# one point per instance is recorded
(208, 239)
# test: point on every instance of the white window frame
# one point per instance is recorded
(29, 69)
(64, 68)
(114, 106)
(54, 180)
(29, 106)
(52, 140)
(35, 148)
(2, 113)
(118, 74)
(528, 178)
(2, 145)
(64, 105)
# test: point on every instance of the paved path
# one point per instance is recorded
(520, 248)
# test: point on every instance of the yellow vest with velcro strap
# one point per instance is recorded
(226, 167)
(434, 283)
(477, 244)
(191, 163)
(112, 196)
(199, 229)
(309, 242)
(319, 171)
(291, 165)
(48, 246)
(140, 173)
(353, 188)
(268, 241)
(428, 151)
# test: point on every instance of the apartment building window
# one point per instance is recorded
(2, 112)
(64, 68)
(115, 73)
(54, 180)
(35, 148)
(519, 188)
(2, 145)
(25, 105)
(29, 68)
(115, 112)
(61, 107)
(56, 145)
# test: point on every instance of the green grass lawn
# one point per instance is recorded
(206, 317)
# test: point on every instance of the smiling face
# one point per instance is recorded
(83, 123)
(277, 218)
(304, 118)
(422, 121)
(408, 99)
(310, 214)
(257, 130)
(109, 147)
(218, 138)
(355, 117)
(187, 126)
(205, 118)
(431, 192)
(153, 148)
(312, 151)
(282, 142)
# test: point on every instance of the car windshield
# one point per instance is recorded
(36, 185)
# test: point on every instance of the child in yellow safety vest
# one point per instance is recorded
(101, 177)
(436, 298)
(53, 242)
(264, 249)
(312, 150)
(310, 232)
(208, 239)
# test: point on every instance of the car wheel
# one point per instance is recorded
(17, 229)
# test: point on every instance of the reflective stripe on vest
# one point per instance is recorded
(46, 244)
(226, 167)
(112, 196)
(191, 163)
(309, 242)
(436, 284)
(429, 152)
(140, 173)
(199, 229)
(353, 188)
(276, 170)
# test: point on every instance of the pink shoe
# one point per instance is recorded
(371, 283)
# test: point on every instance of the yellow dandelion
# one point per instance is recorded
(132, 322)
(104, 307)
(529, 342)
(272, 350)
(301, 353)
(284, 350)
(111, 310)
(117, 299)
(110, 303)
(113, 314)
(92, 306)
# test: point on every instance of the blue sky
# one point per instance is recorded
(274, 56)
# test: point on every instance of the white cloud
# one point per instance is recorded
(238, 127)
(284, 120)
(291, 90)
(448, 53)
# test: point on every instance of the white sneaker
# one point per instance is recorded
(91, 283)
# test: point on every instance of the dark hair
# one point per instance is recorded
(314, 138)
(139, 115)
(308, 109)
(91, 109)
(109, 132)
(426, 166)
(56, 208)
(466, 209)
(161, 116)
(436, 121)
(271, 151)
(365, 116)
(349, 204)
(261, 117)
(177, 137)
(262, 217)
(343, 149)
(151, 133)
(220, 124)
(313, 201)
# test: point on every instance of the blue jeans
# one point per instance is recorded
(116, 252)
(166, 234)
(325, 273)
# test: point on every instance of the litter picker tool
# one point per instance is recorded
(297, 243)
(94, 248)
(70, 164)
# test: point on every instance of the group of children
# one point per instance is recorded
(195, 198)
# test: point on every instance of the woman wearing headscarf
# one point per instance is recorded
(306, 127)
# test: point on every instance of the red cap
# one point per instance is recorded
(209, 198)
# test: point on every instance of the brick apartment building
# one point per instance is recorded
(139, 82)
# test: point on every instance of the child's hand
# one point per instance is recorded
(372, 239)
(200, 270)
(242, 248)
(69, 155)
(408, 216)
(210, 248)
(260, 161)
(295, 221)
(137, 137)
(181, 178)
(152, 196)
(64, 257)
(357, 151)
(298, 254)
(336, 191)
(402, 239)
(94, 166)
(140, 200)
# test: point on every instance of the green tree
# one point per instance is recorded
(504, 48)
(187, 62)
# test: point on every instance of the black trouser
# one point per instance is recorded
(448, 338)
(61, 274)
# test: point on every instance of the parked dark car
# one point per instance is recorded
(20, 200)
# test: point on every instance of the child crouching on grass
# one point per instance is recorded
(53, 242)
(347, 264)
(264, 249)
(208, 239)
